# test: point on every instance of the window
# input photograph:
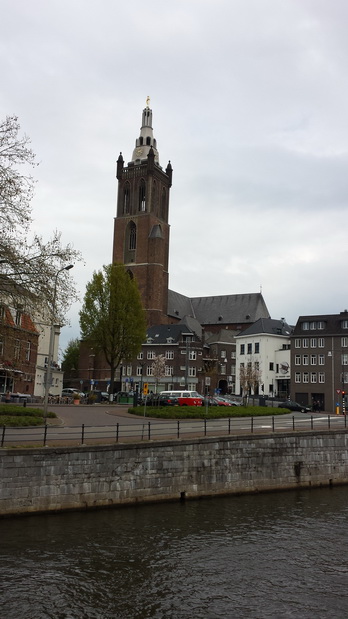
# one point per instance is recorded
(129, 370)
(170, 340)
(233, 354)
(250, 349)
(305, 342)
(192, 372)
(27, 351)
(313, 377)
(223, 354)
(149, 370)
(313, 359)
(345, 359)
(313, 325)
(223, 369)
(305, 359)
(192, 355)
(344, 324)
(1, 347)
(168, 370)
(18, 317)
(132, 240)
(169, 354)
(297, 377)
(271, 366)
(344, 378)
(242, 349)
(321, 377)
(321, 325)
(139, 370)
(17, 349)
(344, 342)
(321, 359)
(313, 342)
(150, 354)
(257, 347)
(305, 326)
(321, 342)
(126, 199)
(305, 377)
(142, 196)
(297, 343)
(140, 355)
(297, 359)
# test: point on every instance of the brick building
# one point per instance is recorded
(18, 350)
(319, 361)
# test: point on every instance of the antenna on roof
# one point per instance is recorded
(260, 288)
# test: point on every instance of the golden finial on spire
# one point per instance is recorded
(148, 101)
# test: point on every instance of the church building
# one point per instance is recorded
(141, 243)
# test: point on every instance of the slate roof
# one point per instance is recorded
(225, 309)
(270, 326)
(160, 333)
(333, 324)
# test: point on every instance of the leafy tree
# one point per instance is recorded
(28, 264)
(71, 356)
(112, 318)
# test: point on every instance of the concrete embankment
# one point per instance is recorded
(67, 478)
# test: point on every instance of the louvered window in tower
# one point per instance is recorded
(142, 195)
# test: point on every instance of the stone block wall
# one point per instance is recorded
(53, 479)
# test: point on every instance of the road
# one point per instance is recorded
(105, 424)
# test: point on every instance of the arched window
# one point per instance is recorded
(132, 239)
(142, 195)
(148, 141)
(126, 199)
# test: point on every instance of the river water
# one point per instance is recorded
(270, 555)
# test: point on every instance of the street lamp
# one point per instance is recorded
(51, 344)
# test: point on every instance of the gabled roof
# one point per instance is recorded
(225, 309)
(268, 326)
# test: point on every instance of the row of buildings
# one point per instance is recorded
(225, 343)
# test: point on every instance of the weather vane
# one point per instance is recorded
(147, 101)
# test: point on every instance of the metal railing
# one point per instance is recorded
(155, 430)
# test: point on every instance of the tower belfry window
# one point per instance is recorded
(142, 195)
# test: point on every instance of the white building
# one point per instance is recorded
(264, 350)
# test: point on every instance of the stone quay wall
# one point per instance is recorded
(67, 478)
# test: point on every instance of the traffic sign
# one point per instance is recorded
(338, 390)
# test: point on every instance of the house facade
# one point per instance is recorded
(263, 364)
(319, 358)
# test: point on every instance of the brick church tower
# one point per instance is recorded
(141, 232)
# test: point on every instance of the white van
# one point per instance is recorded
(185, 398)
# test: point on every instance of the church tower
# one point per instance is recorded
(141, 232)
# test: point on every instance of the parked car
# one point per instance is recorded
(159, 399)
(295, 406)
(69, 392)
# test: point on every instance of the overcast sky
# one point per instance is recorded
(249, 101)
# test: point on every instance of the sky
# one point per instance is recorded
(249, 101)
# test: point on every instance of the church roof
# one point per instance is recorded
(225, 309)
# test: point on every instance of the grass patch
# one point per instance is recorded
(200, 412)
(20, 416)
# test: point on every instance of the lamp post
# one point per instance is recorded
(51, 344)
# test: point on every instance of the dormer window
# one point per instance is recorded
(170, 340)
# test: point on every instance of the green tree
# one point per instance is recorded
(71, 356)
(112, 318)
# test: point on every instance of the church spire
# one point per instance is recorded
(146, 140)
